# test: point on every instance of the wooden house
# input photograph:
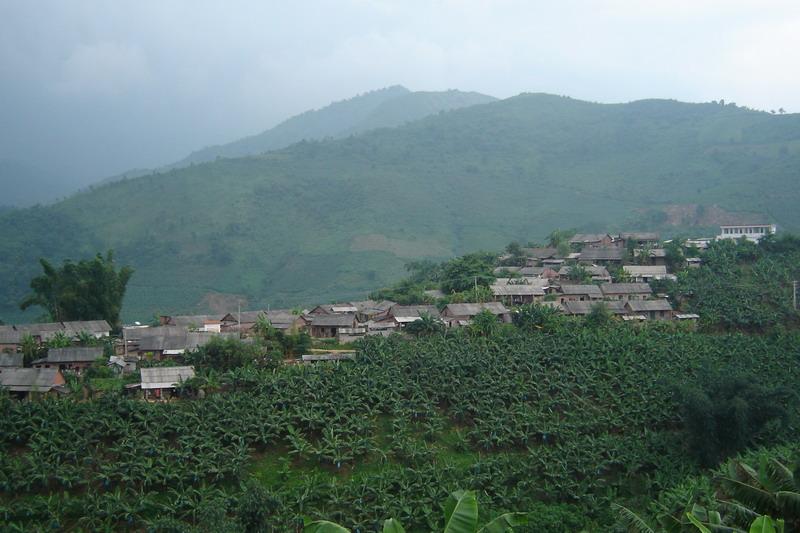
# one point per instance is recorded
(626, 291)
(598, 273)
(370, 309)
(646, 274)
(461, 314)
(158, 382)
(11, 360)
(10, 339)
(651, 309)
(333, 325)
(166, 342)
(579, 293)
(96, 328)
(638, 239)
(578, 308)
(591, 240)
(281, 319)
(655, 256)
(607, 255)
(74, 358)
(27, 382)
(518, 291)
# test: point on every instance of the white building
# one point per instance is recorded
(753, 232)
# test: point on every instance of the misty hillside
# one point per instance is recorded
(383, 108)
(334, 219)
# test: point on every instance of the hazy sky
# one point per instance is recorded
(96, 88)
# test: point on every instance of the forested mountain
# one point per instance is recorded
(336, 218)
(383, 108)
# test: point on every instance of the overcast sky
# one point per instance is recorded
(96, 88)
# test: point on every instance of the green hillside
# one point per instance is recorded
(383, 108)
(335, 219)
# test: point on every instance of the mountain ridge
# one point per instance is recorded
(333, 219)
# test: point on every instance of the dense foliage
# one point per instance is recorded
(561, 421)
(91, 289)
(741, 285)
(725, 411)
(334, 219)
(760, 482)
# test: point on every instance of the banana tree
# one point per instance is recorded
(460, 516)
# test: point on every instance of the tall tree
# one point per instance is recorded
(90, 289)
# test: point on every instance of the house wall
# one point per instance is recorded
(626, 297)
(324, 332)
(517, 300)
(751, 232)
(75, 366)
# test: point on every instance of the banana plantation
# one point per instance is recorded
(563, 424)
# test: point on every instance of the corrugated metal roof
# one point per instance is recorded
(517, 290)
(472, 309)
(582, 238)
(637, 270)
(639, 236)
(584, 308)
(590, 290)
(28, 379)
(197, 321)
(413, 311)
(609, 253)
(8, 335)
(175, 338)
(165, 377)
(626, 288)
(82, 354)
(96, 327)
(638, 306)
(343, 320)
(11, 359)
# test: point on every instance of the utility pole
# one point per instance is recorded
(794, 295)
(239, 318)
(476, 284)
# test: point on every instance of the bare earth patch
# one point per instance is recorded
(375, 242)
(220, 302)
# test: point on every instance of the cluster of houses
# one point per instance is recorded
(546, 277)
(45, 375)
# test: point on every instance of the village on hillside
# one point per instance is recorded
(614, 271)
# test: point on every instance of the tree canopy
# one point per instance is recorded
(91, 289)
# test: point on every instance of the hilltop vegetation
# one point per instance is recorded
(562, 422)
(383, 108)
(334, 219)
